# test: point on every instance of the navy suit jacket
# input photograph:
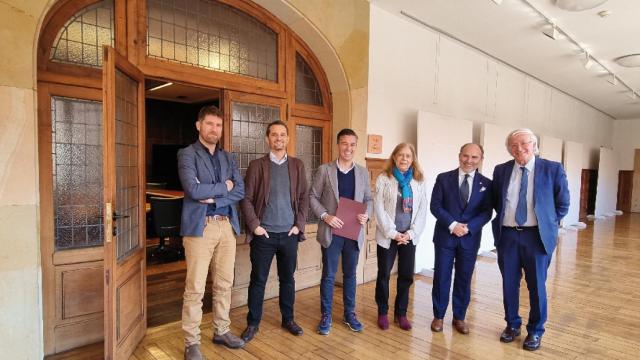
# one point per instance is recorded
(447, 207)
(550, 198)
(196, 176)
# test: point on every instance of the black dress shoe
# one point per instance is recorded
(509, 334)
(292, 327)
(249, 332)
(532, 342)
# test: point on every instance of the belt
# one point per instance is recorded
(521, 228)
(217, 218)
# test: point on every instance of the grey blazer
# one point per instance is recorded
(324, 197)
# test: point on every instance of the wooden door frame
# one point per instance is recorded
(92, 256)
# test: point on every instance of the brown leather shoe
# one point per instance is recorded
(436, 325)
(293, 328)
(249, 333)
(229, 340)
(192, 352)
(460, 326)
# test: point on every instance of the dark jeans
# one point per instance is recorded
(285, 248)
(406, 264)
(350, 252)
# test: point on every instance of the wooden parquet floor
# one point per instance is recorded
(594, 313)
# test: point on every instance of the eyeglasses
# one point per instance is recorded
(514, 146)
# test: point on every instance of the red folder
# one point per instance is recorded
(348, 211)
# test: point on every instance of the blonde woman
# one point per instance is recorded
(400, 206)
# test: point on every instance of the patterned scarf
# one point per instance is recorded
(405, 180)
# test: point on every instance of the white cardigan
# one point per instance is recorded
(385, 209)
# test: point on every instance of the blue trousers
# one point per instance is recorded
(350, 252)
(465, 261)
(518, 250)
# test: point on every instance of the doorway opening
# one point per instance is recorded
(171, 110)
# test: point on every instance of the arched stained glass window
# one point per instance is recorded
(80, 40)
(307, 88)
(211, 35)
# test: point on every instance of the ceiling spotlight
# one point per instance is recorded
(605, 13)
(551, 33)
(588, 61)
(613, 80)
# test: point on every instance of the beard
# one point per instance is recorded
(211, 138)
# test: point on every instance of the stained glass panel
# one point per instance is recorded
(309, 150)
(77, 172)
(80, 40)
(211, 35)
(126, 137)
(307, 88)
(248, 126)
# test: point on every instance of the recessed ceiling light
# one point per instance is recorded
(578, 5)
(632, 60)
(161, 86)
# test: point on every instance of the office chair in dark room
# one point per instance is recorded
(166, 221)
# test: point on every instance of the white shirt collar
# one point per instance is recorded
(275, 160)
(461, 173)
(530, 165)
(344, 171)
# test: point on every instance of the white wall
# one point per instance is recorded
(551, 148)
(414, 68)
(626, 138)
(495, 152)
(436, 154)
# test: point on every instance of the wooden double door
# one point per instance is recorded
(99, 293)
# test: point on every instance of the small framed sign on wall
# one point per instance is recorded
(374, 144)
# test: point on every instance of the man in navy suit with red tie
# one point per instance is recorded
(531, 196)
(462, 204)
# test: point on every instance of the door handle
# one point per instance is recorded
(117, 216)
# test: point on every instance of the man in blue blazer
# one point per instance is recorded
(531, 196)
(462, 204)
(212, 186)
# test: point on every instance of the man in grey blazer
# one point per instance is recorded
(342, 178)
(212, 186)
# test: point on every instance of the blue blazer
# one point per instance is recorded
(447, 207)
(196, 176)
(550, 198)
